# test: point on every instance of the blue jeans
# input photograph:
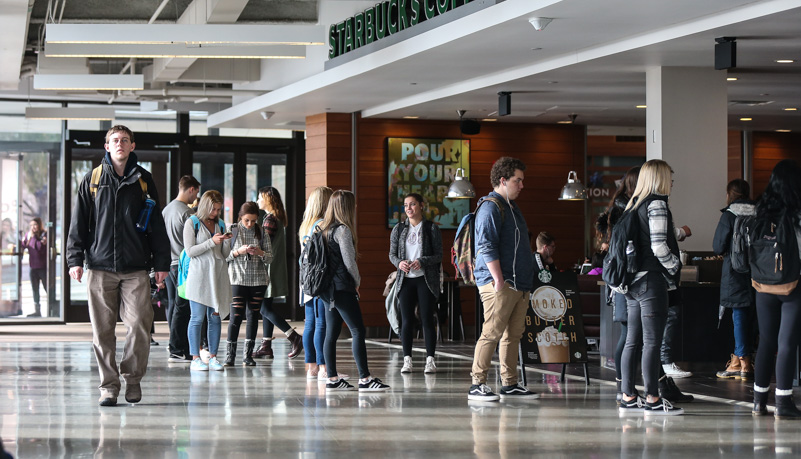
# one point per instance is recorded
(347, 310)
(742, 331)
(647, 303)
(314, 331)
(196, 323)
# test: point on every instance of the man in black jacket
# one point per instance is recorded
(112, 235)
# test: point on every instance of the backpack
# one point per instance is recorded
(621, 263)
(738, 253)
(314, 277)
(463, 252)
(184, 259)
(94, 183)
(773, 256)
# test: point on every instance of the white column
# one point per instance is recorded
(686, 126)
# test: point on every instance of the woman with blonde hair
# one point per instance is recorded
(208, 287)
(274, 223)
(339, 232)
(659, 268)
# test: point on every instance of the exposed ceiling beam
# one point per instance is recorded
(14, 17)
(176, 50)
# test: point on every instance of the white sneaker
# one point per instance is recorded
(215, 364)
(322, 375)
(407, 364)
(673, 370)
(431, 367)
(204, 355)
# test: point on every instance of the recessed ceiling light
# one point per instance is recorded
(489, 119)
(410, 117)
(783, 130)
(564, 122)
(731, 79)
(784, 61)
(642, 106)
(536, 49)
(790, 109)
(746, 119)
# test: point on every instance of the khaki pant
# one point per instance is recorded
(126, 294)
(504, 322)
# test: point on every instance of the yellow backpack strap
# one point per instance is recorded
(143, 184)
(95, 182)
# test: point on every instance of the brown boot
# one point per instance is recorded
(746, 367)
(297, 344)
(732, 370)
(265, 350)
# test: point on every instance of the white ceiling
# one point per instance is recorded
(591, 61)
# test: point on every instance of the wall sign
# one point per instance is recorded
(427, 167)
(382, 20)
(554, 328)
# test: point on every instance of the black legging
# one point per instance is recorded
(415, 292)
(779, 320)
(271, 318)
(346, 309)
(250, 298)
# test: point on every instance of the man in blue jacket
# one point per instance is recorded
(504, 276)
(118, 255)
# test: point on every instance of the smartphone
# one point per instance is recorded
(228, 233)
(253, 246)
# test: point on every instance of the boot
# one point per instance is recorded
(671, 392)
(760, 404)
(297, 344)
(746, 368)
(785, 408)
(248, 360)
(231, 354)
(732, 370)
(265, 350)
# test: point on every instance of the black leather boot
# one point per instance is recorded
(760, 404)
(265, 350)
(670, 391)
(785, 408)
(231, 354)
(248, 359)
(296, 342)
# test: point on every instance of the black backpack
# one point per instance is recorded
(738, 254)
(314, 278)
(773, 256)
(621, 263)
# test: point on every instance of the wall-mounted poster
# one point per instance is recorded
(554, 329)
(427, 167)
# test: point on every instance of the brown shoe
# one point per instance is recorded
(732, 370)
(746, 367)
(297, 344)
(265, 350)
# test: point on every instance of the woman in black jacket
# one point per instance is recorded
(416, 250)
(736, 292)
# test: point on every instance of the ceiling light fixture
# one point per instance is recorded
(489, 119)
(731, 79)
(410, 117)
(641, 106)
(746, 119)
(784, 61)
(178, 50)
(571, 118)
(540, 23)
(783, 130)
(461, 188)
(573, 189)
(790, 109)
(70, 113)
(123, 82)
(266, 115)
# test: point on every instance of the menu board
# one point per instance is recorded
(554, 329)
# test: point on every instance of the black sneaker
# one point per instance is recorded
(179, 358)
(482, 392)
(517, 391)
(669, 390)
(338, 385)
(634, 405)
(662, 407)
(373, 385)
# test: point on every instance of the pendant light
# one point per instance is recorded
(573, 189)
(461, 188)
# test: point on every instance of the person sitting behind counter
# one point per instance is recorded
(546, 246)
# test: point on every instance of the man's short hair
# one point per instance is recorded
(120, 128)
(505, 168)
(187, 182)
(543, 239)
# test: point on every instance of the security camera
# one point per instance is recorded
(540, 23)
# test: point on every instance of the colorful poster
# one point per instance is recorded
(554, 328)
(427, 167)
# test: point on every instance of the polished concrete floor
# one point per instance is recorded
(48, 408)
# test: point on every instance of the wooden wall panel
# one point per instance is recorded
(734, 156)
(768, 149)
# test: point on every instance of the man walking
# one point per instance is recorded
(504, 275)
(117, 230)
(175, 214)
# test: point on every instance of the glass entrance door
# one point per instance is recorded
(29, 262)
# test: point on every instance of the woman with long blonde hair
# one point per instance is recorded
(647, 301)
(339, 231)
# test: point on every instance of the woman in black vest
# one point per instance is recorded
(415, 248)
(647, 297)
(779, 316)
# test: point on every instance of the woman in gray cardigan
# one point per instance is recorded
(416, 250)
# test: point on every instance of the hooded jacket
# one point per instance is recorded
(735, 288)
(103, 231)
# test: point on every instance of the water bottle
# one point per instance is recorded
(144, 215)
(631, 258)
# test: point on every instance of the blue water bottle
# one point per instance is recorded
(144, 215)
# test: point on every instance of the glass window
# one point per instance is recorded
(215, 171)
(265, 169)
